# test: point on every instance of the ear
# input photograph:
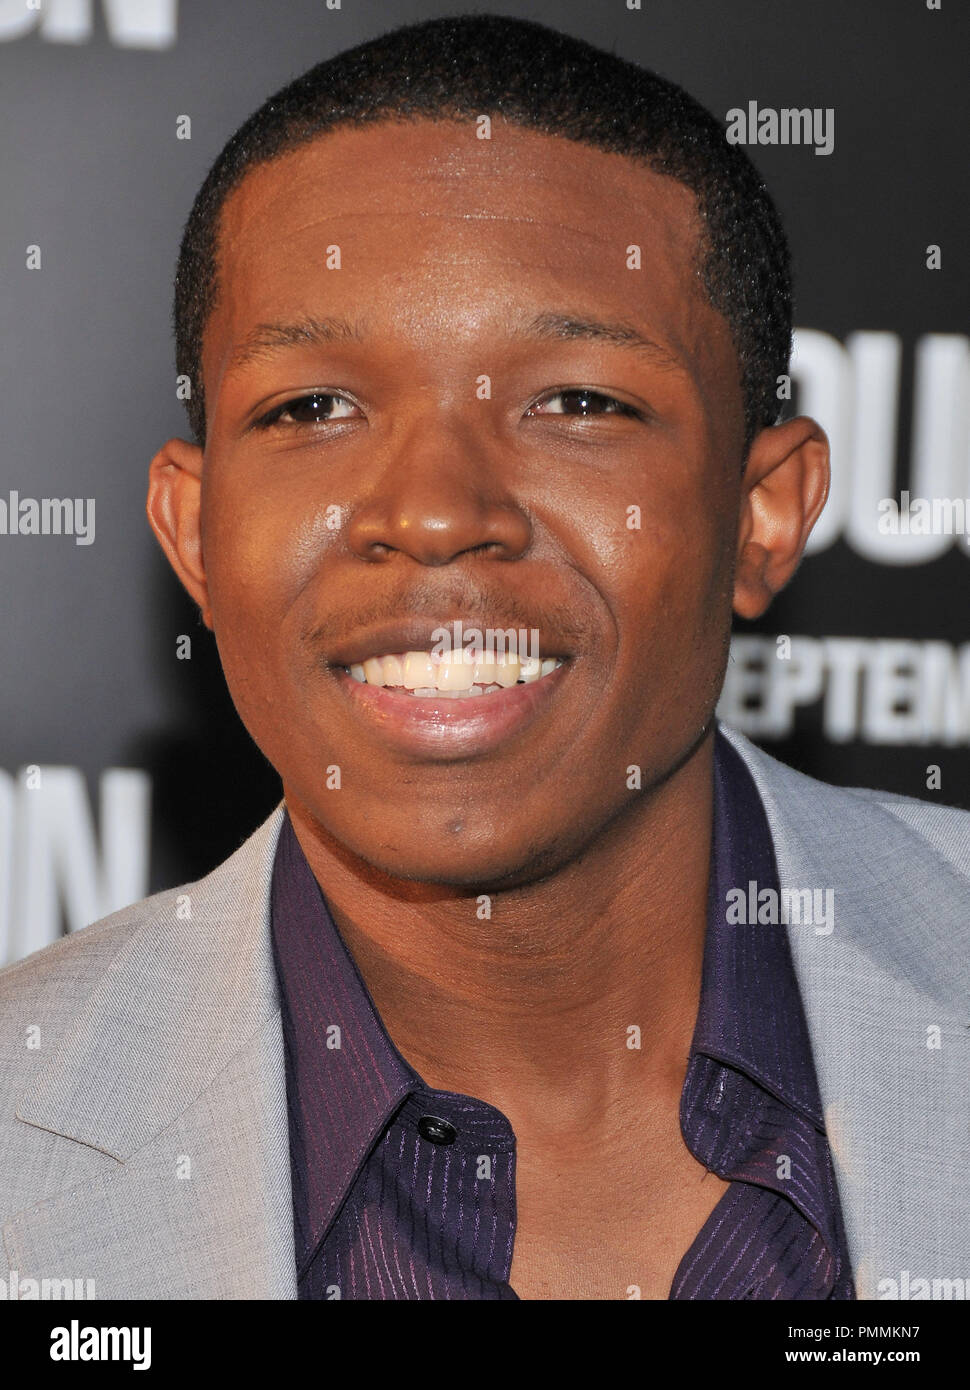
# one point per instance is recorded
(786, 482)
(174, 510)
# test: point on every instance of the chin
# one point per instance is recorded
(481, 867)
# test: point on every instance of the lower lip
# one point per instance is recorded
(451, 727)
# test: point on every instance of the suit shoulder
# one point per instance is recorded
(49, 987)
(945, 828)
(54, 981)
(935, 829)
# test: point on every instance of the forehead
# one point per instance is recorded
(438, 227)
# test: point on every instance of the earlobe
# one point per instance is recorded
(174, 509)
(785, 486)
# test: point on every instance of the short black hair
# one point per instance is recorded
(463, 66)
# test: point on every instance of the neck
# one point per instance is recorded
(536, 1003)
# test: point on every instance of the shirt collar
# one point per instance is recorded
(751, 1014)
(345, 1078)
(762, 1103)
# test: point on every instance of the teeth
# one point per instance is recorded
(433, 692)
(457, 674)
(485, 669)
(507, 668)
(382, 670)
(418, 670)
(454, 673)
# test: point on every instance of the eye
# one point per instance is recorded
(580, 402)
(317, 408)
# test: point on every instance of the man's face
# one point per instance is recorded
(441, 474)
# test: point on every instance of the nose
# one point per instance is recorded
(438, 495)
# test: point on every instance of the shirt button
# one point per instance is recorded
(436, 1131)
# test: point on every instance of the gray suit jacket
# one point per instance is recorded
(143, 1120)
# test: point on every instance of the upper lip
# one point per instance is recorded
(420, 635)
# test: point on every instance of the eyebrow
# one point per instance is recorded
(617, 334)
(266, 339)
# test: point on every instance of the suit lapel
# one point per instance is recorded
(174, 1071)
(891, 972)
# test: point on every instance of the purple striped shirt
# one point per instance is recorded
(404, 1192)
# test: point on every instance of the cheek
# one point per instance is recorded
(259, 546)
(673, 604)
(261, 553)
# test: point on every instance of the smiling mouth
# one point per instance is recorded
(426, 707)
(457, 675)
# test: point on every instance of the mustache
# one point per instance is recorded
(440, 604)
